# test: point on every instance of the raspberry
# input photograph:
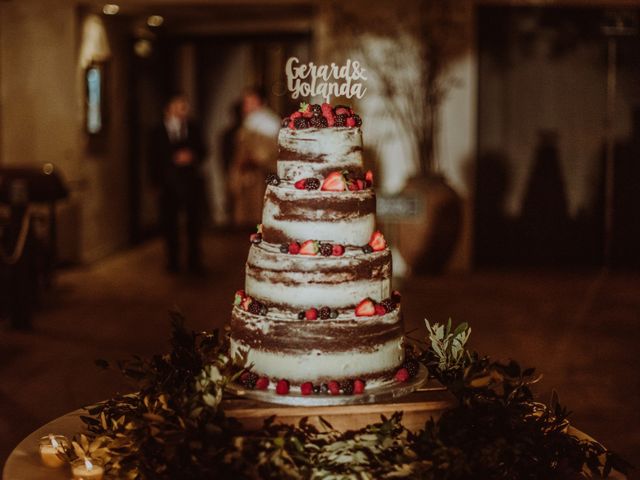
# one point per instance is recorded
(285, 121)
(262, 383)
(379, 309)
(325, 313)
(341, 120)
(284, 248)
(318, 122)
(333, 387)
(337, 250)
(347, 387)
(311, 314)
(301, 123)
(282, 387)
(316, 109)
(306, 388)
(248, 379)
(294, 248)
(351, 122)
(358, 386)
(272, 179)
(367, 248)
(312, 184)
(255, 307)
(326, 249)
(388, 304)
(412, 367)
(402, 375)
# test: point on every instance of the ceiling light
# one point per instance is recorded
(110, 9)
(155, 20)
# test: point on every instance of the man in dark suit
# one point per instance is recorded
(176, 154)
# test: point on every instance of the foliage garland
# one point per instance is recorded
(174, 427)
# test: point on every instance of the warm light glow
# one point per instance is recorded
(110, 9)
(155, 20)
(47, 169)
(88, 464)
(54, 442)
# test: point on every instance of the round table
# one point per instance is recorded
(24, 462)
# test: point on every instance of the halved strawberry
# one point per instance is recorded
(239, 296)
(306, 388)
(337, 250)
(294, 248)
(369, 178)
(366, 308)
(246, 301)
(380, 310)
(334, 182)
(300, 184)
(361, 184)
(310, 247)
(358, 386)
(377, 242)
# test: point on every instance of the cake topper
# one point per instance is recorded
(326, 81)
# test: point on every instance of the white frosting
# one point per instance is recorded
(316, 364)
(338, 148)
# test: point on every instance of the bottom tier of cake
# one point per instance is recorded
(346, 348)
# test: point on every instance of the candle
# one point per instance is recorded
(86, 469)
(49, 448)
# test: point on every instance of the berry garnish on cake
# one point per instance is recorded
(322, 116)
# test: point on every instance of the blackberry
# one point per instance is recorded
(316, 109)
(272, 179)
(324, 388)
(347, 387)
(286, 121)
(249, 379)
(334, 314)
(255, 307)
(367, 248)
(301, 123)
(263, 310)
(412, 367)
(325, 313)
(312, 184)
(301, 316)
(284, 248)
(388, 304)
(316, 389)
(326, 249)
(341, 120)
(318, 122)
(358, 120)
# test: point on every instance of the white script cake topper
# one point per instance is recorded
(326, 81)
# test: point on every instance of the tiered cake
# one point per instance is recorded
(317, 309)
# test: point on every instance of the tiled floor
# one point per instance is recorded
(578, 328)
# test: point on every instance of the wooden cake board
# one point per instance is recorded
(428, 401)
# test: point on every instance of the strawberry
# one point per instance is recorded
(292, 125)
(300, 184)
(358, 386)
(307, 114)
(334, 387)
(351, 122)
(306, 388)
(353, 186)
(295, 115)
(262, 383)
(334, 182)
(366, 308)
(361, 184)
(282, 387)
(337, 250)
(310, 247)
(239, 296)
(326, 108)
(402, 375)
(342, 110)
(380, 310)
(246, 301)
(369, 178)
(377, 242)
(294, 248)
(331, 120)
(311, 314)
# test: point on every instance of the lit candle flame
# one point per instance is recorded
(54, 442)
(88, 464)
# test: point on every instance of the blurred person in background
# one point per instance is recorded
(256, 152)
(176, 154)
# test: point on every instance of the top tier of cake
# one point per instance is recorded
(315, 152)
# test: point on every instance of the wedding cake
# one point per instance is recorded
(317, 314)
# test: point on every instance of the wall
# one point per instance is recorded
(41, 121)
